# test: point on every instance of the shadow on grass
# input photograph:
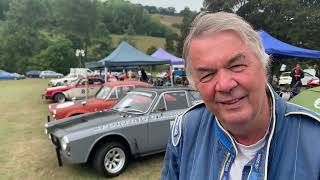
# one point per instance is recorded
(148, 167)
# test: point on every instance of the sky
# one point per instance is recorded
(179, 5)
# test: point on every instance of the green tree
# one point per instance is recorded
(293, 21)
(151, 50)
(188, 17)
(79, 17)
(20, 38)
(122, 17)
(170, 42)
(59, 56)
(222, 5)
(4, 6)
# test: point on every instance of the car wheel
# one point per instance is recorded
(59, 97)
(111, 159)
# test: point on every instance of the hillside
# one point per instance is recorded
(141, 42)
(169, 21)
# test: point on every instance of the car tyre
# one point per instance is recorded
(111, 159)
(59, 97)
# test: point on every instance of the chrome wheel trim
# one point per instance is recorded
(114, 160)
(61, 98)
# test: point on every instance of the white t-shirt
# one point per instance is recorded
(245, 154)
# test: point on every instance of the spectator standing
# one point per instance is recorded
(296, 74)
(144, 76)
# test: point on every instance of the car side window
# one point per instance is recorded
(175, 100)
(113, 94)
(160, 106)
(91, 81)
(123, 90)
(83, 82)
(194, 97)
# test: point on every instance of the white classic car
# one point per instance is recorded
(86, 88)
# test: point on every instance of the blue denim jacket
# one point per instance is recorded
(200, 148)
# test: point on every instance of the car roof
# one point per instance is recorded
(164, 89)
(121, 83)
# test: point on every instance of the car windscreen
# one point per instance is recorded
(103, 92)
(135, 102)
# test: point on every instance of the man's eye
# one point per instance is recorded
(238, 68)
(207, 77)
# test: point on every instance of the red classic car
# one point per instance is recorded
(105, 98)
(56, 93)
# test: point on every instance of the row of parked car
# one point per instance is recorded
(123, 120)
(4, 75)
(43, 74)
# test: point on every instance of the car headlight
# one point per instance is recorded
(64, 143)
(54, 112)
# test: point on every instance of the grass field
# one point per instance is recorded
(26, 152)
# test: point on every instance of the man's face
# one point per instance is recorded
(229, 77)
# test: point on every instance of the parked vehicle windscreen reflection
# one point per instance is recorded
(135, 102)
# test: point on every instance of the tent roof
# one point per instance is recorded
(127, 55)
(161, 53)
(278, 48)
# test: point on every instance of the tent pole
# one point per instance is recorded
(105, 74)
(151, 73)
(171, 76)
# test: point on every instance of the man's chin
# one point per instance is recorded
(233, 119)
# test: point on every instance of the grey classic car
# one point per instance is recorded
(138, 125)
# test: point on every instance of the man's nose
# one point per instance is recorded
(225, 81)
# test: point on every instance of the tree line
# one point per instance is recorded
(44, 34)
(296, 22)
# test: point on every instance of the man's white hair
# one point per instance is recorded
(206, 23)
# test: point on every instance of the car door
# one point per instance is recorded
(80, 90)
(50, 74)
(170, 104)
(94, 86)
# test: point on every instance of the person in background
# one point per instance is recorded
(242, 129)
(296, 75)
(65, 82)
(285, 93)
(144, 76)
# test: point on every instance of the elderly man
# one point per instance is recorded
(243, 130)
